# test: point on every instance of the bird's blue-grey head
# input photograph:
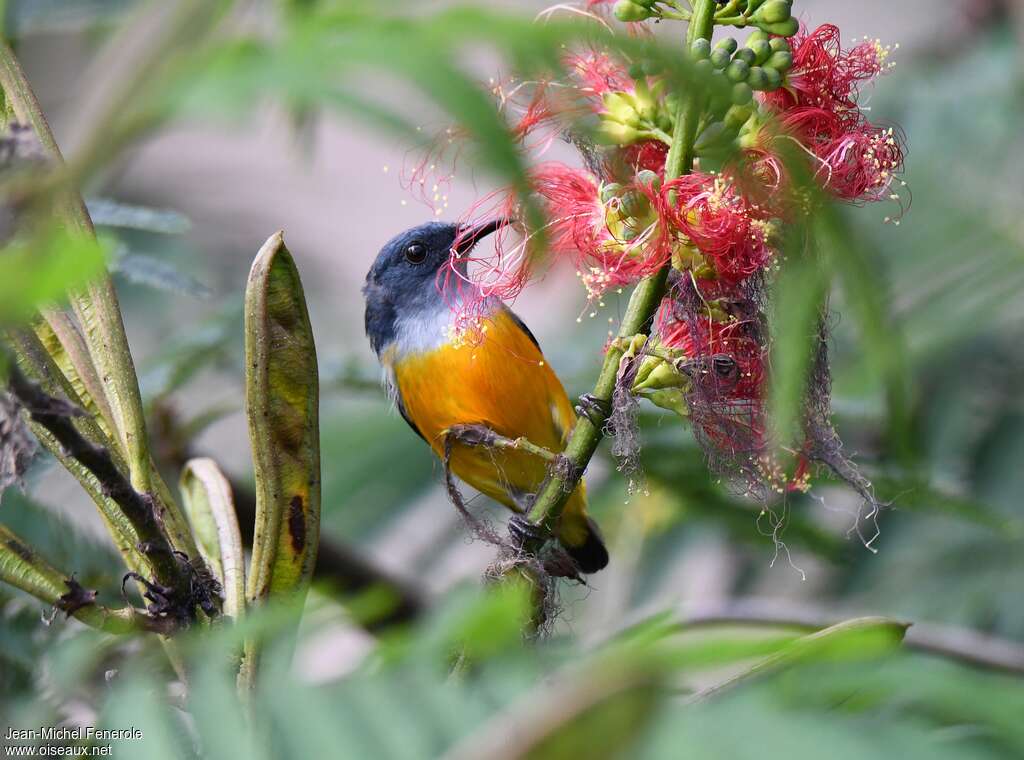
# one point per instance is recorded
(404, 282)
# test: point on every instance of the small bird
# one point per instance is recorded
(499, 381)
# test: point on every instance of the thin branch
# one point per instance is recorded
(481, 435)
(23, 568)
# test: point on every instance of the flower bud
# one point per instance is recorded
(738, 115)
(671, 399)
(786, 28)
(621, 107)
(703, 68)
(729, 45)
(700, 49)
(746, 55)
(612, 132)
(635, 204)
(774, 79)
(741, 94)
(780, 61)
(628, 10)
(649, 178)
(737, 71)
(758, 78)
(780, 45)
(774, 12)
(761, 50)
(609, 191)
(663, 375)
(719, 58)
(756, 35)
(664, 122)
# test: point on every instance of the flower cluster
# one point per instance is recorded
(625, 216)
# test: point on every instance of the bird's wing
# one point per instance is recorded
(395, 393)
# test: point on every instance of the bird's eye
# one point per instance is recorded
(415, 253)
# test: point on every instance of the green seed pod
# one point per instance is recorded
(753, 5)
(719, 103)
(773, 12)
(609, 191)
(719, 58)
(756, 36)
(627, 10)
(781, 61)
(729, 45)
(779, 45)
(738, 115)
(649, 178)
(762, 50)
(700, 49)
(741, 94)
(757, 79)
(746, 55)
(785, 28)
(737, 71)
(774, 79)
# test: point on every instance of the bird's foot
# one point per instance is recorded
(524, 532)
(593, 408)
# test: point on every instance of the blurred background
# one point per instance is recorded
(211, 190)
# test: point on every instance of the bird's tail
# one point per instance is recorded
(580, 536)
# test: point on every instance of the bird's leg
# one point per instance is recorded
(593, 408)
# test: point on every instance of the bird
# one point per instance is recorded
(499, 381)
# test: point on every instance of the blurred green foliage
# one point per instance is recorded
(928, 363)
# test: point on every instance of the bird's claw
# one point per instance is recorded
(523, 531)
(593, 408)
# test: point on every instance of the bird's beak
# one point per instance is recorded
(470, 235)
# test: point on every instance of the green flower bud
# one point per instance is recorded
(636, 71)
(635, 204)
(719, 58)
(729, 45)
(742, 94)
(671, 399)
(663, 375)
(781, 61)
(761, 50)
(652, 67)
(627, 10)
(615, 133)
(609, 191)
(738, 115)
(719, 102)
(648, 177)
(700, 49)
(621, 108)
(755, 36)
(774, 12)
(703, 68)
(746, 55)
(774, 79)
(664, 122)
(737, 71)
(757, 79)
(779, 45)
(785, 28)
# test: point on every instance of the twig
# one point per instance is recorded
(481, 435)
(174, 576)
(23, 568)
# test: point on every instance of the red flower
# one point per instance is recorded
(724, 227)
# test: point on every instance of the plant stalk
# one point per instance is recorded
(643, 303)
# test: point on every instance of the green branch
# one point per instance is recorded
(23, 568)
(643, 304)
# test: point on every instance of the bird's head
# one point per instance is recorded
(403, 280)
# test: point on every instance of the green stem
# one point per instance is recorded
(643, 303)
